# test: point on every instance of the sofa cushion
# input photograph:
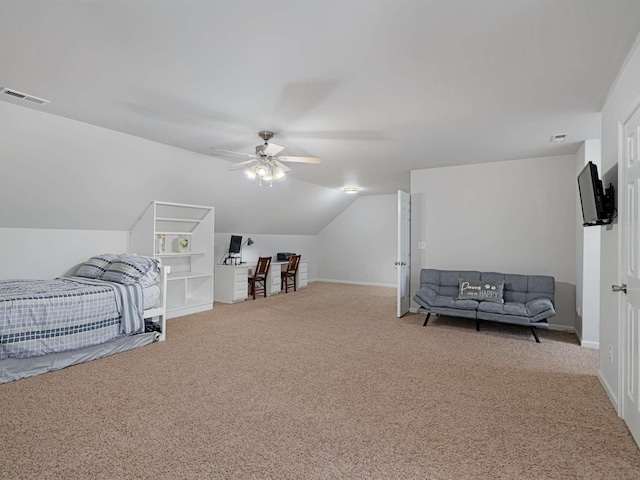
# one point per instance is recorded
(509, 308)
(445, 282)
(425, 296)
(523, 288)
(480, 290)
(451, 302)
(428, 298)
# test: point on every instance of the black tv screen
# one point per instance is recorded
(236, 243)
(591, 195)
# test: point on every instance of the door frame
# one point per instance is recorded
(403, 263)
(623, 318)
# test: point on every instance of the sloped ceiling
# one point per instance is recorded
(376, 88)
(64, 174)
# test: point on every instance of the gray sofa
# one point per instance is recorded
(528, 299)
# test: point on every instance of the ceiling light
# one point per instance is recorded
(350, 190)
(278, 173)
(262, 169)
(250, 172)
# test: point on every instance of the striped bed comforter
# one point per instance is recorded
(38, 317)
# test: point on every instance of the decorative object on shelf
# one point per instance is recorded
(160, 243)
(265, 164)
(183, 244)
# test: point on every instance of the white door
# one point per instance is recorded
(630, 313)
(403, 263)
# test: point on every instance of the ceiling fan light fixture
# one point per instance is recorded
(278, 173)
(262, 170)
(250, 172)
(350, 190)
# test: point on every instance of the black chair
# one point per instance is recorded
(288, 275)
(260, 279)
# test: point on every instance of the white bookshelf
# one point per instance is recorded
(190, 283)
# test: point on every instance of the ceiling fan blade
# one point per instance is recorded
(315, 160)
(233, 153)
(272, 149)
(240, 165)
(284, 168)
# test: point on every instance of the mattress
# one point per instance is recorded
(39, 317)
(150, 296)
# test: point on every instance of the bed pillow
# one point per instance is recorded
(96, 266)
(480, 291)
(129, 269)
(152, 275)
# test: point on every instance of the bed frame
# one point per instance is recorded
(17, 368)
(160, 312)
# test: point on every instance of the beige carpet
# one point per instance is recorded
(325, 383)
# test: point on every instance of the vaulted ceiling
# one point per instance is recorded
(375, 88)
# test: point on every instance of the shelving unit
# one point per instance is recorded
(190, 283)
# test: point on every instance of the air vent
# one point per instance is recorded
(23, 96)
(559, 137)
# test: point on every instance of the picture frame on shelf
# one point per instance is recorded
(183, 244)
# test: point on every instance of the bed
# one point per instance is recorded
(113, 303)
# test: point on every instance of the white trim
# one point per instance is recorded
(356, 283)
(560, 328)
(587, 344)
(609, 391)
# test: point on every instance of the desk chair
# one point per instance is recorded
(260, 279)
(288, 275)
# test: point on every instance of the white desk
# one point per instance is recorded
(231, 281)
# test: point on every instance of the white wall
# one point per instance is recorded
(270, 245)
(360, 244)
(623, 97)
(511, 217)
(587, 260)
(48, 253)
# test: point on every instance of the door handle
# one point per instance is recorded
(619, 288)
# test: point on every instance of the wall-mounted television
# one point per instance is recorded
(598, 206)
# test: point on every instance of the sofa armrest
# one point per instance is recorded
(425, 297)
(540, 306)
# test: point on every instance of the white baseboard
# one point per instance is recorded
(607, 388)
(367, 284)
(588, 344)
(562, 328)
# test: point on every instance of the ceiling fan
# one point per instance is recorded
(265, 164)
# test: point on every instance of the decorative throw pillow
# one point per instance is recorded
(481, 291)
(96, 266)
(129, 269)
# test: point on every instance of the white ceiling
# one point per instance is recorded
(376, 88)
